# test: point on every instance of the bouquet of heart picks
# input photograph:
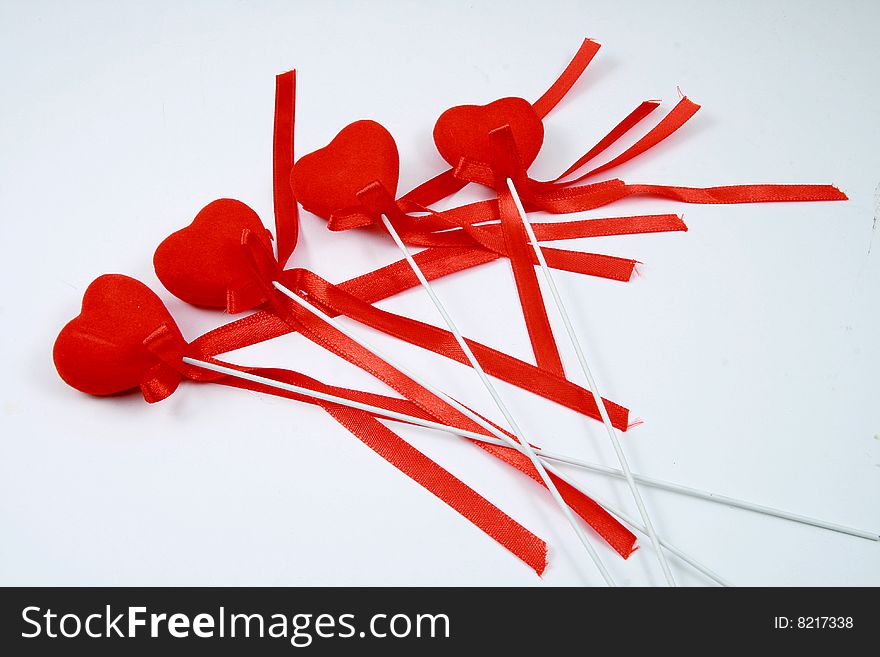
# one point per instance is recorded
(125, 339)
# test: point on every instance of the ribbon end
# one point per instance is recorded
(159, 383)
(839, 195)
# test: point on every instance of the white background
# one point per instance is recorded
(749, 345)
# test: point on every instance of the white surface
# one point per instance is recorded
(748, 344)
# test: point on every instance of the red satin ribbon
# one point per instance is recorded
(458, 495)
(632, 120)
(566, 80)
(286, 209)
(506, 165)
(590, 197)
(679, 115)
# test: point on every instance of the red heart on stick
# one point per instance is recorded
(101, 351)
(204, 263)
(328, 180)
(463, 131)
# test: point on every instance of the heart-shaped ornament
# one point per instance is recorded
(204, 263)
(101, 351)
(328, 180)
(463, 131)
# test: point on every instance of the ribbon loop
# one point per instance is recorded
(377, 200)
(264, 270)
(161, 380)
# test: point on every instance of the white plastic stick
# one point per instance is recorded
(524, 447)
(323, 396)
(514, 426)
(594, 388)
(429, 424)
(546, 455)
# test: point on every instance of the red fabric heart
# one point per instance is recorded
(463, 131)
(204, 264)
(101, 351)
(328, 180)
